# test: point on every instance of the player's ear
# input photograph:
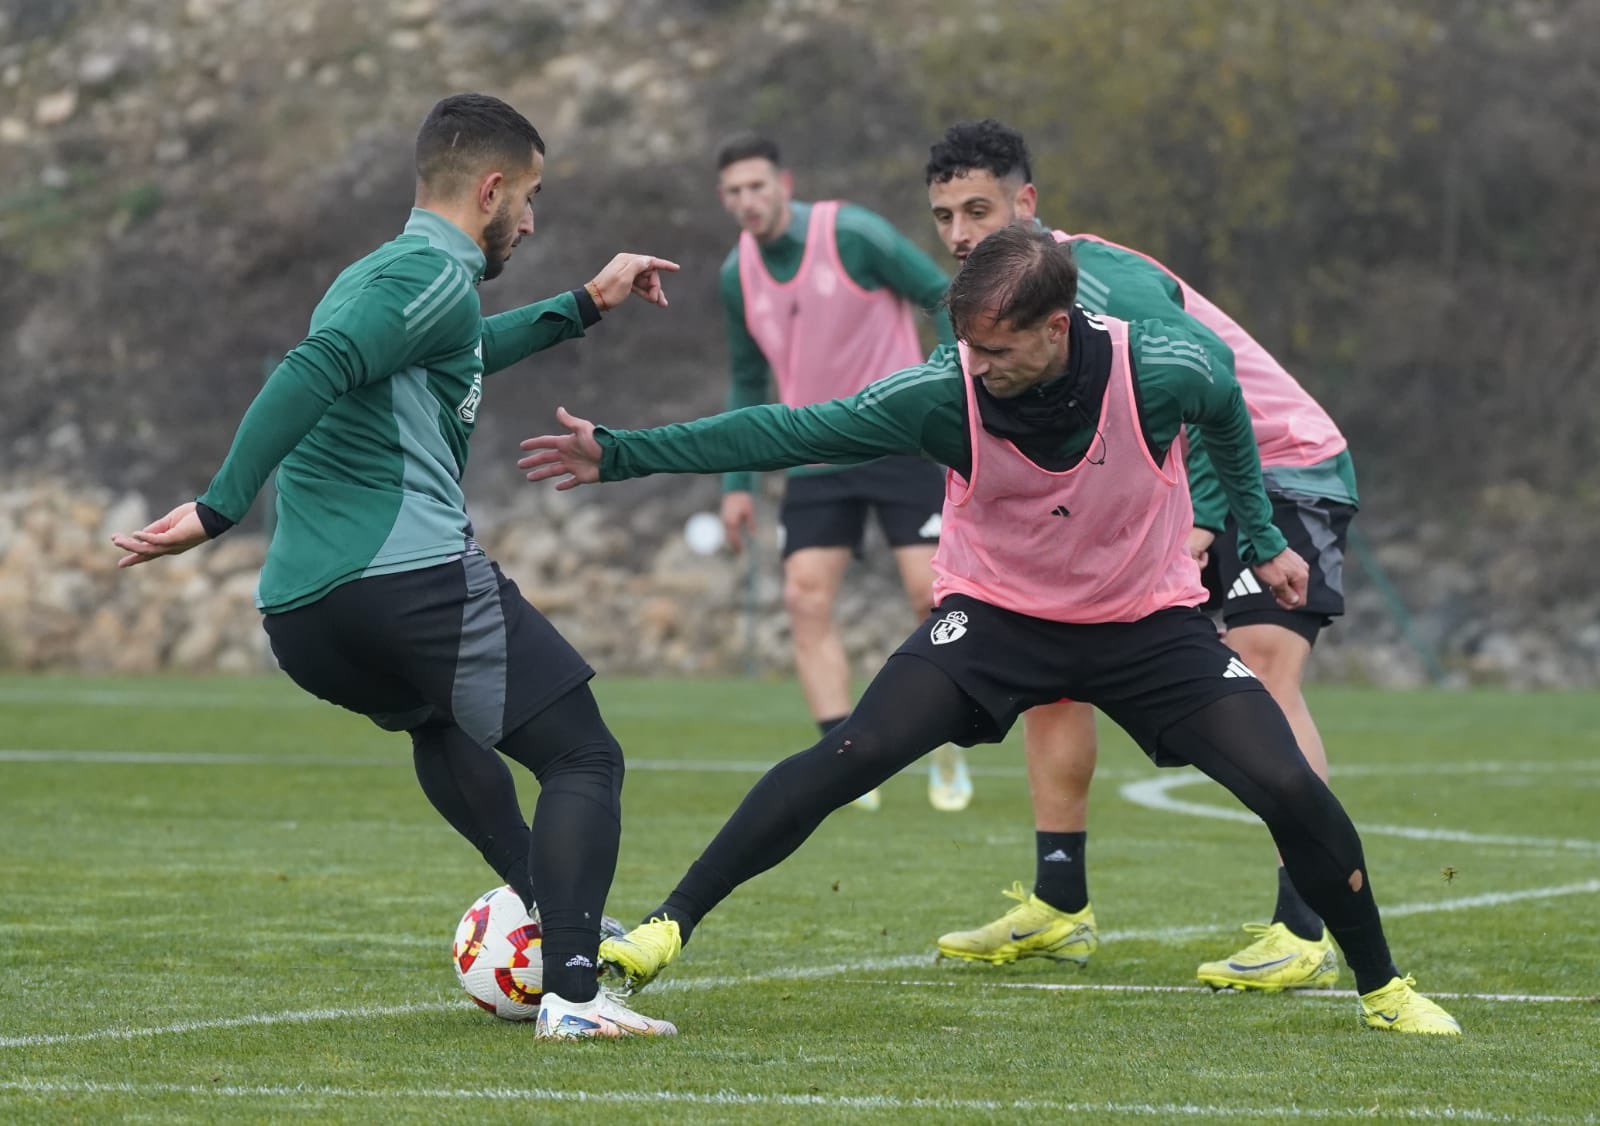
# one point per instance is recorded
(490, 188)
(1026, 202)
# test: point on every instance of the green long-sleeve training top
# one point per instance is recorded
(368, 419)
(923, 410)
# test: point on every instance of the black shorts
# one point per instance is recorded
(455, 643)
(1146, 675)
(1316, 530)
(830, 509)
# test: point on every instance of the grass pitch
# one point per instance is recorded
(221, 899)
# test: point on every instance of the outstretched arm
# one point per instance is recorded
(518, 333)
(364, 341)
(919, 410)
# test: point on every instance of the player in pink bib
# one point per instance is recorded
(1064, 571)
(979, 181)
(821, 299)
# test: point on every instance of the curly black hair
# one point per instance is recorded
(989, 145)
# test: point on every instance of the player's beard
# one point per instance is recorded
(498, 239)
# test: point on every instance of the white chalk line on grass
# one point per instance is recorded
(103, 757)
(788, 973)
(1134, 934)
(1156, 793)
(81, 756)
(1395, 911)
(1312, 994)
(727, 1098)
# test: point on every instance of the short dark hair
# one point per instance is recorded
(1015, 275)
(466, 133)
(747, 146)
(987, 145)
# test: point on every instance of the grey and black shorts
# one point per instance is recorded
(1316, 529)
(454, 643)
(830, 509)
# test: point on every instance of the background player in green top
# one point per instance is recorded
(820, 298)
(375, 595)
(980, 180)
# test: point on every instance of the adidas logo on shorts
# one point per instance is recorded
(1246, 584)
(1237, 668)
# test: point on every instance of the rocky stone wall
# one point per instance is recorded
(621, 583)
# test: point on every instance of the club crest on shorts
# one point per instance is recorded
(951, 627)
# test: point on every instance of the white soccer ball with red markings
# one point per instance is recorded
(497, 954)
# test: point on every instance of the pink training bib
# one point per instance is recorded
(1104, 541)
(1291, 427)
(825, 336)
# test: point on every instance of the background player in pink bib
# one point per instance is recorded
(821, 299)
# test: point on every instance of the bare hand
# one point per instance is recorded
(574, 456)
(638, 274)
(1285, 575)
(1199, 544)
(173, 534)
(738, 517)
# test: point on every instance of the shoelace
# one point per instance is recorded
(1408, 981)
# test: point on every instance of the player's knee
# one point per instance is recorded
(597, 761)
(1277, 656)
(1302, 801)
(808, 602)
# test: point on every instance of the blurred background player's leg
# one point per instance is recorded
(811, 580)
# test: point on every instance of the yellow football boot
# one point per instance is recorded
(1032, 929)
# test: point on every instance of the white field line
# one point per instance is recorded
(267, 938)
(1396, 911)
(71, 756)
(103, 757)
(795, 973)
(1312, 994)
(1156, 793)
(726, 1098)
(845, 1102)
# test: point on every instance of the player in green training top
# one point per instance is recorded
(820, 299)
(1063, 571)
(979, 181)
(375, 595)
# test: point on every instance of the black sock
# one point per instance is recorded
(570, 974)
(827, 725)
(1293, 911)
(1059, 878)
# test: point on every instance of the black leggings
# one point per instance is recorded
(911, 707)
(566, 861)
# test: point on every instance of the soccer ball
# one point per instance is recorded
(497, 954)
